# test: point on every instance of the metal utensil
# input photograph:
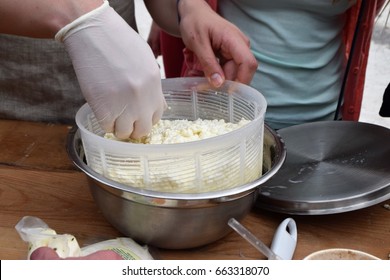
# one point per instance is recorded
(283, 244)
(258, 244)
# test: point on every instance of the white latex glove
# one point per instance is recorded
(117, 72)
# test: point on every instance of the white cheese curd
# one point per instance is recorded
(186, 174)
(180, 131)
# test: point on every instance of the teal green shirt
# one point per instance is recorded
(298, 45)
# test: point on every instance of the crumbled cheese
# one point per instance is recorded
(208, 172)
(180, 131)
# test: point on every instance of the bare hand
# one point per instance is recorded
(221, 48)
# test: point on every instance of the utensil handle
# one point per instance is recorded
(285, 239)
(248, 236)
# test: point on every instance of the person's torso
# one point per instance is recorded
(299, 48)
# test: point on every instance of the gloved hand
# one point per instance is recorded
(117, 72)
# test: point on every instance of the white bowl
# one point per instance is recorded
(340, 254)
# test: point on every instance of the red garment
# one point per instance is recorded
(354, 86)
(172, 53)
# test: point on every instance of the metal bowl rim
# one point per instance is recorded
(278, 161)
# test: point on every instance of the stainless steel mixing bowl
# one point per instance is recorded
(175, 221)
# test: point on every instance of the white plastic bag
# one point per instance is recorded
(37, 234)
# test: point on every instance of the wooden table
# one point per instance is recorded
(38, 179)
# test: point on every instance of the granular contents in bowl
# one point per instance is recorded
(210, 159)
(180, 131)
(209, 172)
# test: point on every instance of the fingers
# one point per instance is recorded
(210, 64)
(44, 253)
(216, 42)
(144, 125)
(103, 116)
(158, 114)
(245, 63)
(136, 123)
(125, 126)
(239, 63)
(230, 70)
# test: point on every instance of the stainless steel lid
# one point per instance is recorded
(331, 167)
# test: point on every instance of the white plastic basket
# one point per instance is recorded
(212, 164)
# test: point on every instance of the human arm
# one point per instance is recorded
(41, 18)
(154, 39)
(115, 67)
(221, 48)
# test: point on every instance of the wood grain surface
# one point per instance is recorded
(38, 179)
